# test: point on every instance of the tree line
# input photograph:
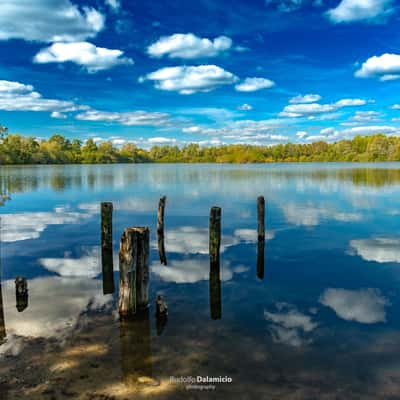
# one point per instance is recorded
(17, 149)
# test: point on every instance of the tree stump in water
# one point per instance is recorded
(107, 262)
(134, 270)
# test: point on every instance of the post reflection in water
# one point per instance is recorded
(21, 293)
(2, 322)
(260, 258)
(215, 291)
(136, 355)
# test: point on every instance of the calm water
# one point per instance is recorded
(324, 322)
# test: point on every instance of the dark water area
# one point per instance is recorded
(322, 323)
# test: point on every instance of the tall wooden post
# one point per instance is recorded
(134, 270)
(214, 248)
(2, 322)
(107, 262)
(261, 237)
(160, 230)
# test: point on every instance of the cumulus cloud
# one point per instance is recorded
(366, 306)
(48, 21)
(129, 118)
(307, 98)
(245, 107)
(29, 225)
(16, 96)
(191, 79)
(366, 116)
(85, 54)
(385, 67)
(290, 326)
(254, 84)
(301, 134)
(161, 140)
(381, 249)
(395, 107)
(58, 115)
(189, 46)
(361, 10)
(297, 110)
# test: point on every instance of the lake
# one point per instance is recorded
(322, 323)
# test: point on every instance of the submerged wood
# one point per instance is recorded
(215, 281)
(160, 230)
(21, 293)
(136, 354)
(161, 314)
(134, 270)
(107, 261)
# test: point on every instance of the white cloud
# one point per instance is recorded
(366, 306)
(191, 79)
(395, 107)
(129, 118)
(191, 129)
(361, 10)
(48, 21)
(381, 249)
(114, 4)
(292, 5)
(307, 98)
(15, 96)
(310, 110)
(58, 115)
(29, 225)
(86, 54)
(385, 67)
(188, 46)
(254, 84)
(245, 107)
(301, 134)
(161, 140)
(366, 116)
(289, 326)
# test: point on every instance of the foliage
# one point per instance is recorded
(17, 149)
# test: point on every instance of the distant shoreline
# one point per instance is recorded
(58, 150)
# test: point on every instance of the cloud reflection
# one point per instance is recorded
(366, 306)
(381, 250)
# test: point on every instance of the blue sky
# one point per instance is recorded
(210, 72)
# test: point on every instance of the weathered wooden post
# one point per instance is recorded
(107, 262)
(134, 270)
(261, 237)
(160, 230)
(21, 293)
(261, 217)
(214, 248)
(161, 314)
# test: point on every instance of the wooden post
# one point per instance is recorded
(160, 230)
(261, 217)
(215, 281)
(134, 270)
(21, 293)
(107, 248)
(161, 314)
(261, 236)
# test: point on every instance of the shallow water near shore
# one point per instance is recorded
(323, 323)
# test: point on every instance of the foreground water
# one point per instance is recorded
(323, 323)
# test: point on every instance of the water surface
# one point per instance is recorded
(323, 323)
